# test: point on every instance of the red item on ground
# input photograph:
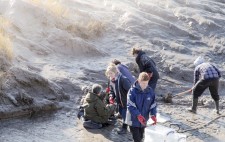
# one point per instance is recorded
(141, 119)
(154, 119)
(111, 100)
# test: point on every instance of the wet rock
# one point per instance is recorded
(24, 99)
(168, 98)
(24, 92)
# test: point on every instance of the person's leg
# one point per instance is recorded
(124, 111)
(142, 132)
(81, 112)
(111, 118)
(111, 109)
(123, 130)
(213, 88)
(152, 83)
(135, 131)
(197, 91)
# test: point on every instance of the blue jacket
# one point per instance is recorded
(140, 102)
(125, 71)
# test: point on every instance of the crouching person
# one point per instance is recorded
(140, 104)
(119, 87)
(96, 113)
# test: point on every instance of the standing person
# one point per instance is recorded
(206, 76)
(140, 104)
(94, 107)
(123, 69)
(146, 64)
(119, 86)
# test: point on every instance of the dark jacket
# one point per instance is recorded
(140, 102)
(121, 86)
(95, 109)
(125, 71)
(146, 64)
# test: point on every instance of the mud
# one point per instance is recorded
(63, 125)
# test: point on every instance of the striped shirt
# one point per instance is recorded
(206, 71)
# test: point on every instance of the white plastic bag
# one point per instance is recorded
(159, 133)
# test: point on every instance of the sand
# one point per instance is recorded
(60, 46)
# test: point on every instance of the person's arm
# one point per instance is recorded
(218, 71)
(119, 68)
(126, 84)
(148, 64)
(196, 75)
(101, 108)
(111, 92)
(153, 110)
(131, 106)
(153, 107)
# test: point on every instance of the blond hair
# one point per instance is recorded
(143, 76)
(111, 68)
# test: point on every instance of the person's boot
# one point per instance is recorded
(193, 109)
(123, 130)
(217, 107)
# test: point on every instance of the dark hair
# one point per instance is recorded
(143, 76)
(116, 62)
(96, 88)
(135, 50)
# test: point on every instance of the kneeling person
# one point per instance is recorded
(94, 108)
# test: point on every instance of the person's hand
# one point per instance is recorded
(107, 90)
(111, 100)
(154, 119)
(141, 119)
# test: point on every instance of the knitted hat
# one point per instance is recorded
(96, 88)
(199, 61)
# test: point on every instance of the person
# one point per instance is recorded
(146, 64)
(206, 76)
(140, 105)
(119, 86)
(94, 107)
(123, 69)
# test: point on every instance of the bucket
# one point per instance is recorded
(161, 133)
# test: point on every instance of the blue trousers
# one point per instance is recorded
(122, 112)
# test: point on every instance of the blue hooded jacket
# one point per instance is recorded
(140, 102)
(123, 69)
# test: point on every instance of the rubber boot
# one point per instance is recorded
(123, 130)
(217, 107)
(193, 109)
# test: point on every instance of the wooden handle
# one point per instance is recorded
(182, 93)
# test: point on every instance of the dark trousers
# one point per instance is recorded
(152, 83)
(122, 112)
(137, 133)
(201, 85)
